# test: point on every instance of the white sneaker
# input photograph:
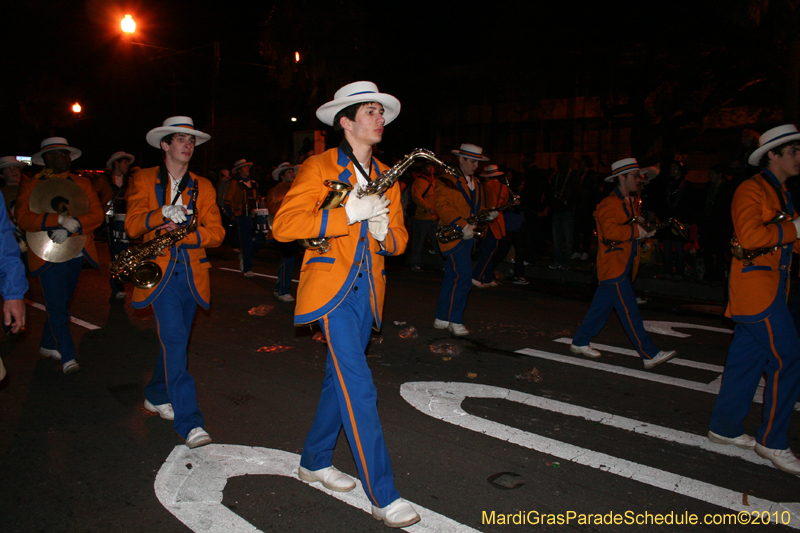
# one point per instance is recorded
(197, 437)
(585, 350)
(782, 459)
(743, 441)
(120, 295)
(331, 478)
(661, 357)
(399, 513)
(164, 410)
(458, 329)
(70, 367)
(288, 298)
(640, 300)
(584, 256)
(55, 354)
(576, 255)
(440, 324)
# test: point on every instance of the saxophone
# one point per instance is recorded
(135, 264)
(445, 233)
(678, 228)
(748, 257)
(339, 190)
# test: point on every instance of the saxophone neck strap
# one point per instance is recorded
(164, 176)
(348, 151)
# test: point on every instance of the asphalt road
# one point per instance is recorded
(513, 425)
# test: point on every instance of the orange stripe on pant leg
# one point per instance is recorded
(771, 418)
(349, 409)
(453, 294)
(164, 351)
(491, 255)
(628, 317)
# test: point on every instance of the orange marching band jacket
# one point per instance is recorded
(612, 216)
(145, 199)
(325, 279)
(27, 220)
(455, 203)
(754, 289)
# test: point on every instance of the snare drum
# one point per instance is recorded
(261, 221)
(118, 228)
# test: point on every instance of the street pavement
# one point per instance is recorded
(508, 426)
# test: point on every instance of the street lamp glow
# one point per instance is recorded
(128, 24)
(297, 57)
(294, 119)
(76, 107)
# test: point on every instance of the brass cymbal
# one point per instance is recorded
(57, 193)
(43, 246)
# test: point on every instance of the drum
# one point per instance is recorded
(261, 221)
(118, 228)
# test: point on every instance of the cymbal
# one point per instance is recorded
(43, 246)
(47, 196)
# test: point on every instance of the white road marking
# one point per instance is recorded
(194, 494)
(255, 274)
(666, 328)
(443, 401)
(634, 353)
(77, 321)
(711, 388)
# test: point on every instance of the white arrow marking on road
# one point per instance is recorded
(666, 328)
(443, 401)
(194, 494)
(255, 274)
(72, 319)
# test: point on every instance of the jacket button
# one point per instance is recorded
(362, 239)
(359, 274)
(355, 288)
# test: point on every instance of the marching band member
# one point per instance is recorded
(457, 198)
(59, 279)
(617, 264)
(241, 199)
(765, 339)
(497, 195)
(284, 174)
(159, 201)
(116, 207)
(343, 291)
(424, 222)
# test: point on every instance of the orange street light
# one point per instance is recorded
(297, 57)
(76, 108)
(128, 24)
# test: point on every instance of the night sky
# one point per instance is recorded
(427, 54)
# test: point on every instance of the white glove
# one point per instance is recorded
(492, 215)
(379, 227)
(175, 213)
(467, 233)
(364, 208)
(58, 236)
(796, 223)
(69, 223)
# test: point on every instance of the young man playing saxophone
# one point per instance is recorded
(765, 340)
(343, 291)
(159, 201)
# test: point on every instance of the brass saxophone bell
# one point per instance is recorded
(147, 275)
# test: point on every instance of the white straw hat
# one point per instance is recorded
(354, 93)
(623, 166)
(175, 125)
(470, 151)
(119, 155)
(55, 143)
(771, 139)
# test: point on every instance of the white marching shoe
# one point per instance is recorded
(331, 478)
(399, 513)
